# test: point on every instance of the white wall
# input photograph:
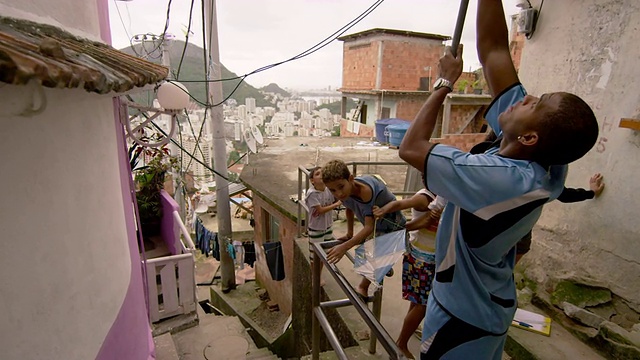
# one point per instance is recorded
(589, 47)
(77, 17)
(64, 257)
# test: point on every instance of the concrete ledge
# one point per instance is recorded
(225, 303)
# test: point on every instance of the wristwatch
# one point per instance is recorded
(442, 82)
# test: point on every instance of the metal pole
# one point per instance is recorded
(315, 303)
(227, 269)
(457, 34)
(377, 311)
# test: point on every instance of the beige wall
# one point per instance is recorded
(590, 48)
(76, 17)
(65, 264)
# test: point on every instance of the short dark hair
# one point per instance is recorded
(313, 170)
(567, 134)
(335, 170)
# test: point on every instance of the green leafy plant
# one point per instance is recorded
(462, 86)
(149, 181)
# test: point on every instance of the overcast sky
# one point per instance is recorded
(254, 33)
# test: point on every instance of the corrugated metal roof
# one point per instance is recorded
(380, 31)
(58, 59)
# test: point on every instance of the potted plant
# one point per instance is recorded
(462, 86)
(149, 181)
(477, 87)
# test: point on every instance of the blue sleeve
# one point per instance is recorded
(474, 181)
(502, 102)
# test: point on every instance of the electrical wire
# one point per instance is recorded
(125, 27)
(186, 41)
(326, 41)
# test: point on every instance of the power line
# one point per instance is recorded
(326, 41)
(184, 49)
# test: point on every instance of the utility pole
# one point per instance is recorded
(165, 45)
(227, 267)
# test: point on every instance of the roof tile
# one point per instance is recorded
(58, 59)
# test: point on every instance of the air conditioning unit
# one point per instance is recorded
(527, 21)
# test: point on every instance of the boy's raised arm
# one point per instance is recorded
(493, 46)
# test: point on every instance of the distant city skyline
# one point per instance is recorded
(269, 34)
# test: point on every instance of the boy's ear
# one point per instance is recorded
(351, 178)
(529, 139)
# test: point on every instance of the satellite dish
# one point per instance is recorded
(251, 141)
(257, 134)
(202, 208)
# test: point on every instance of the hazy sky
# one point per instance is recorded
(254, 33)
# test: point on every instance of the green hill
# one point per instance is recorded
(274, 88)
(335, 107)
(192, 68)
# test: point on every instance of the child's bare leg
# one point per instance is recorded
(414, 316)
(363, 287)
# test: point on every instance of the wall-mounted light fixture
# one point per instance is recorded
(527, 18)
(173, 98)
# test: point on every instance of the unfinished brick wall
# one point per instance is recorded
(407, 109)
(460, 117)
(406, 60)
(359, 64)
(365, 130)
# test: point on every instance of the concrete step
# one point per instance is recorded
(165, 347)
(216, 337)
(260, 354)
(355, 352)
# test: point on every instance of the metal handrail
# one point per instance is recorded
(190, 246)
(320, 319)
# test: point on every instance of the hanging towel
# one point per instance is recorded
(275, 260)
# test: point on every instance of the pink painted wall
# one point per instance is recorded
(169, 230)
(130, 335)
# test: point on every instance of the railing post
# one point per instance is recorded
(355, 170)
(299, 218)
(377, 311)
(315, 303)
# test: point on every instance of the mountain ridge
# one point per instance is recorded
(192, 68)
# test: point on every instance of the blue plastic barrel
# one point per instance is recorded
(381, 126)
(396, 133)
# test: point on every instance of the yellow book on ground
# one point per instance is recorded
(531, 321)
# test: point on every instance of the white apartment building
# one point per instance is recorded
(325, 113)
(250, 104)
(200, 172)
(242, 112)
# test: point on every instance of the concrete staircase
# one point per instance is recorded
(215, 337)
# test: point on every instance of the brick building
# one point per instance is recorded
(390, 72)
